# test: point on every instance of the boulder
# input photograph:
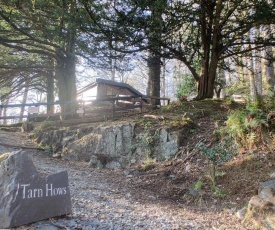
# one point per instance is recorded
(259, 203)
(27, 197)
(265, 200)
(270, 221)
(3, 149)
(267, 191)
(241, 213)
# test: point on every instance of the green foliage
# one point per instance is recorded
(219, 153)
(132, 150)
(48, 149)
(198, 185)
(267, 102)
(245, 126)
(177, 122)
(149, 163)
(216, 155)
(149, 141)
(188, 87)
(239, 87)
(218, 192)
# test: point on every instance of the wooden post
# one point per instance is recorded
(113, 107)
(140, 104)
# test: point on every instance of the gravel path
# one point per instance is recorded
(107, 200)
(102, 199)
(99, 202)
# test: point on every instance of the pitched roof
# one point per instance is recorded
(112, 83)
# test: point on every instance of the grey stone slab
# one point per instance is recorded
(4, 150)
(27, 197)
(269, 184)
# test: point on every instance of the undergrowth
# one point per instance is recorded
(248, 127)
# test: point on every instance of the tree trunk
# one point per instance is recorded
(154, 76)
(259, 79)
(50, 92)
(65, 69)
(113, 68)
(24, 100)
(163, 82)
(66, 82)
(205, 86)
(270, 74)
(154, 59)
(253, 91)
(207, 79)
(220, 85)
(240, 69)
(1, 111)
(258, 71)
(251, 69)
(210, 38)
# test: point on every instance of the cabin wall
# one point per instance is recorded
(90, 94)
(108, 91)
(104, 90)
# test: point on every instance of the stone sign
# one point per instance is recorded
(27, 197)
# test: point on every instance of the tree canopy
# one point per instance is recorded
(201, 34)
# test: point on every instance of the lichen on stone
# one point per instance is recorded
(4, 156)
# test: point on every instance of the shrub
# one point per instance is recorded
(246, 126)
(216, 155)
(188, 87)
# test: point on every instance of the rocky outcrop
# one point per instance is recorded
(263, 202)
(266, 196)
(112, 146)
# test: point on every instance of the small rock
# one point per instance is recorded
(133, 161)
(172, 176)
(95, 163)
(152, 197)
(72, 223)
(259, 203)
(270, 221)
(230, 211)
(269, 184)
(45, 226)
(188, 167)
(128, 195)
(113, 165)
(194, 192)
(267, 194)
(241, 213)
(57, 155)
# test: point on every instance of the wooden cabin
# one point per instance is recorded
(103, 88)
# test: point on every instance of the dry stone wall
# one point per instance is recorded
(111, 146)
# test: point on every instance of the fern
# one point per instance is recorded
(245, 126)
